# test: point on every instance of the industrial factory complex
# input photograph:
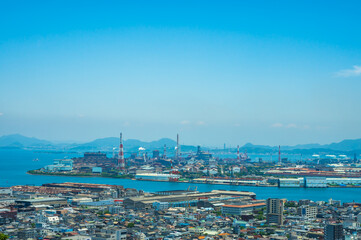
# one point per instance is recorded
(203, 167)
(83, 211)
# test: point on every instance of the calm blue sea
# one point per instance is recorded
(15, 163)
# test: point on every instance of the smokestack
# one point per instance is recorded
(165, 151)
(177, 153)
(121, 162)
(279, 154)
(238, 156)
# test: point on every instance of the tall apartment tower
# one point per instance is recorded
(334, 232)
(275, 211)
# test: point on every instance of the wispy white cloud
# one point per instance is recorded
(290, 125)
(201, 123)
(306, 126)
(277, 125)
(355, 71)
(126, 124)
(193, 123)
(185, 122)
(1, 113)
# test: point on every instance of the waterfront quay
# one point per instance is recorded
(203, 167)
(113, 206)
(121, 208)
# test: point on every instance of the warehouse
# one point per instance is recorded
(42, 201)
(241, 209)
(183, 200)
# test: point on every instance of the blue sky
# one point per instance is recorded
(266, 72)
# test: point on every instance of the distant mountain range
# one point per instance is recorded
(132, 145)
(101, 144)
(345, 145)
(129, 144)
(20, 141)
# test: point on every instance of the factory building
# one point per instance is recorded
(156, 176)
(201, 155)
(92, 187)
(60, 165)
(6, 191)
(94, 159)
(185, 200)
(159, 206)
(315, 182)
(241, 209)
(156, 154)
(290, 182)
(344, 181)
(42, 201)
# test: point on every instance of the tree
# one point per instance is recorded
(218, 213)
(3, 236)
(290, 204)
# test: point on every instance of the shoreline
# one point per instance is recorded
(148, 180)
(75, 175)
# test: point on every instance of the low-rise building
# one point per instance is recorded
(307, 211)
(241, 209)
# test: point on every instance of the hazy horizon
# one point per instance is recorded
(228, 145)
(269, 73)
